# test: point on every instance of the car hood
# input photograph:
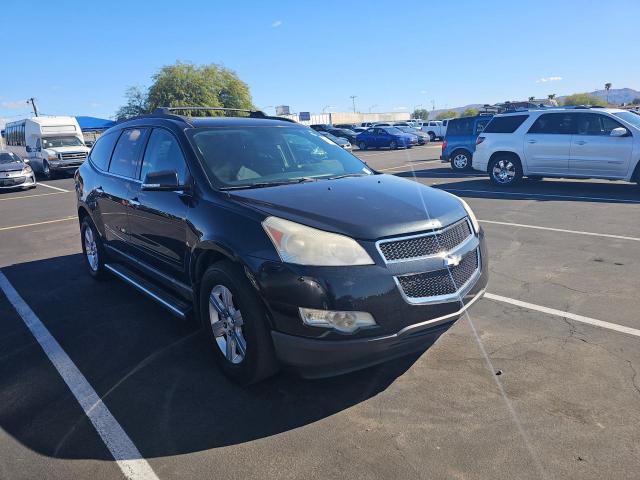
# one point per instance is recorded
(11, 167)
(367, 208)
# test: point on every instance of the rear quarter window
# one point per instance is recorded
(508, 124)
(461, 126)
(102, 150)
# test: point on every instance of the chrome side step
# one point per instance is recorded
(171, 303)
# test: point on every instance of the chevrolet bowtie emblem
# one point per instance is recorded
(452, 260)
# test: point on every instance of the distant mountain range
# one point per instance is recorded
(616, 96)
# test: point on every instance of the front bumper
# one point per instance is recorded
(314, 358)
(12, 183)
(404, 324)
(64, 165)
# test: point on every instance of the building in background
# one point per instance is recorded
(92, 128)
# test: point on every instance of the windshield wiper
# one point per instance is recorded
(268, 184)
(345, 175)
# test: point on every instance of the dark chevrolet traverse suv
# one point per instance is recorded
(288, 250)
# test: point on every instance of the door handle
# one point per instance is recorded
(532, 141)
(581, 142)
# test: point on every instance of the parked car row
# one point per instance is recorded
(569, 142)
(382, 135)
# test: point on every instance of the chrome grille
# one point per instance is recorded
(79, 156)
(440, 282)
(427, 244)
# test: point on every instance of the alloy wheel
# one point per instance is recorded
(226, 323)
(91, 249)
(461, 161)
(504, 171)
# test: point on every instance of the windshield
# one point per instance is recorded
(248, 156)
(9, 157)
(53, 142)
(629, 117)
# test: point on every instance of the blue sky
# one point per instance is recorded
(78, 58)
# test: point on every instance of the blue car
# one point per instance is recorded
(390, 137)
(460, 140)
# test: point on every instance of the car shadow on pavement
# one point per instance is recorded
(468, 185)
(155, 373)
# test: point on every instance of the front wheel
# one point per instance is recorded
(235, 322)
(393, 145)
(432, 137)
(460, 160)
(505, 170)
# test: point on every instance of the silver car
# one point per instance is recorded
(15, 172)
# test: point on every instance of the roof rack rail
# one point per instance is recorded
(252, 113)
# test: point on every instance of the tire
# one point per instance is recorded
(460, 160)
(94, 254)
(505, 170)
(432, 136)
(362, 146)
(393, 145)
(47, 174)
(233, 293)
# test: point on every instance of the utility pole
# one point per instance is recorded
(353, 100)
(33, 104)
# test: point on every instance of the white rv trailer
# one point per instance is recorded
(50, 144)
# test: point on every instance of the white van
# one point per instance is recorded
(49, 144)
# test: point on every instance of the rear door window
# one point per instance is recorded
(126, 155)
(555, 123)
(102, 149)
(480, 126)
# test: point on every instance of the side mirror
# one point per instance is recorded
(29, 150)
(618, 132)
(165, 180)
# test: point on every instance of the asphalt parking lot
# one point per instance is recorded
(539, 380)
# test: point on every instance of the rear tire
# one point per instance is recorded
(432, 137)
(46, 171)
(362, 146)
(92, 249)
(393, 145)
(460, 160)
(505, 170)
(231, 309)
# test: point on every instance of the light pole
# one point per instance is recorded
(414, 110)
(353, 100)
(33, 104)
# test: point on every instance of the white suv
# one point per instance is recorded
(578, 142)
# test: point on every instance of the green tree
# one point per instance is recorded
(636, 101)
(551, 96)
(186, 84)
(447, 114)
(470, 112)
(531, 99)
(583, 99)
(136, 104)
(420, 113)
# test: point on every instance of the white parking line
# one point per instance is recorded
(29, 196)
(405, 166)
(54, 188)
(65, 219)
(548, 195)
(560, 313)
(578, 232)
(125, 453)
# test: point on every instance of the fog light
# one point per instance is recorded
(347, 322)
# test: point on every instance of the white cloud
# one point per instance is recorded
(16, 104)
(548, 79)
(276, 24)
(423, 92)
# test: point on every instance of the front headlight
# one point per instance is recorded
(474, 220)
(302, 245)
(52, 156)
(346, 322)
(27, 170)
